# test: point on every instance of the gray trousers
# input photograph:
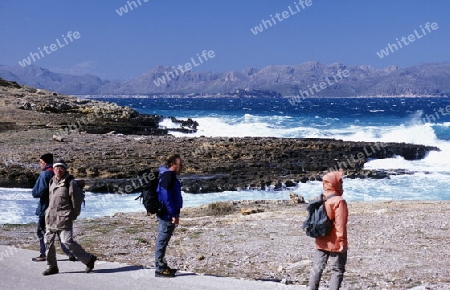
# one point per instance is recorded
(338, 261)
(66, 238)
(165, 231)
(41, 233)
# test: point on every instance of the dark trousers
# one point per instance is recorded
(338, 261)
(40, 233)
(165, 231)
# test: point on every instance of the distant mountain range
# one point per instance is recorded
(310, 78)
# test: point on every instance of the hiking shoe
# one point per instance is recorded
(39, 259)
(90, 265)
(172, 270)
(51, 271)
(72, 258)
(169, 273)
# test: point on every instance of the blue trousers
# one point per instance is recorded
(165, 231)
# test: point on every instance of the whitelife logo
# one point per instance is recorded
(411, 38)
(51, 48)
(341, 74)
(187, 66)
(281, 16)
(123, 10)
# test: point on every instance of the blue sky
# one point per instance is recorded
(172, 32)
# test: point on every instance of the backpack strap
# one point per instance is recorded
(68, 180)
(325, 198)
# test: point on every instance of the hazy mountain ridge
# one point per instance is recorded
(363, 80)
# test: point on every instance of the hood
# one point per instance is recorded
(332, 183)
(162, 169)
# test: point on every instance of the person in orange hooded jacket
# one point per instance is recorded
(333, 246)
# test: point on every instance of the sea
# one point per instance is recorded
(416, 120)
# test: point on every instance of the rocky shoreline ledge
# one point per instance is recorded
(392, 245)
(115, 149)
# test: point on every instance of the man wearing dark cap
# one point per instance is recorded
(65, 199)
(40, 190)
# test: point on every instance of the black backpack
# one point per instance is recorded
(81, 183)
(317, 224)
(149, 196)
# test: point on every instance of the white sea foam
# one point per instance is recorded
(169, 124)
(277, 126)
(433, 186)
(245, 127)
(281, 126)
(430, 181)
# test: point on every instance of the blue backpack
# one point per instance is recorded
(317, 224)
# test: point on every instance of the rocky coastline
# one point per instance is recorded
(114, 148)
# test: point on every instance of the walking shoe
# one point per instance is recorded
(72, 258)
(51, 271)
(172, 270)
(169, 273)
(39, 259)
(90, 264)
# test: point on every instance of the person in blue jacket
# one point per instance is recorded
(41, 190)
(169, 194)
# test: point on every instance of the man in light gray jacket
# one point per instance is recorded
(64, 207)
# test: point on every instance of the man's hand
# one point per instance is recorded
(175, 220)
